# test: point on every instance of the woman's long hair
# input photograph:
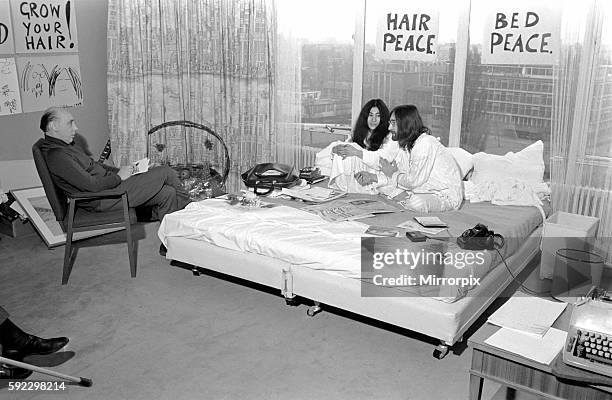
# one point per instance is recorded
(360, 132)
(409, 125)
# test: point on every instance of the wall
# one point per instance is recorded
(19, 132)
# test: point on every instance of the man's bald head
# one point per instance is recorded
(58, 123)
(51, 114)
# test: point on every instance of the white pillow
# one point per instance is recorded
(526, 165)
(463, 158)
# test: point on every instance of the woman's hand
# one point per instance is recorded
(388, 168)
(346, 150)
(365, 178)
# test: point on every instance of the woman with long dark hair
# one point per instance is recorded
(372, 126)
(423, 167)
(370, 141)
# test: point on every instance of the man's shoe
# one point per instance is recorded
(14, 372)
(162, 250)
(36, 345)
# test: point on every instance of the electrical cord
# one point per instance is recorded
(523, 287)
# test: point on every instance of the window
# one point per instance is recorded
(525, 98)
(428, 85)
(323, 29)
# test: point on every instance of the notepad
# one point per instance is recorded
(431, 222)
(541, 349)
(531, 315)
(140, 166)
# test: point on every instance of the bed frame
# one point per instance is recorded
(446, 322)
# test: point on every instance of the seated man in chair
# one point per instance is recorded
(73, 171)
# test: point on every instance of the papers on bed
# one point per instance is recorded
(531, 315)
(349, 209)
(411, 225)
(314, 194)
(541, 349)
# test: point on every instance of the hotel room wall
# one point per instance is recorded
(19, 132)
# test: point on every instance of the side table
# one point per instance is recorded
(522, 374)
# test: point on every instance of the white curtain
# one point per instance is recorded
(217, 63)
(581, 159)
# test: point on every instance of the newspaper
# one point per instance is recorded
(349, 209)
(314, 194)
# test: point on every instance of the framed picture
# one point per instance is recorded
(36, 205)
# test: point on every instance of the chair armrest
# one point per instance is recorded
(111, 193)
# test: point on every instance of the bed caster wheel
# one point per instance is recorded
(441, 351)
(313, 310)
(195, 272)
(291, 301)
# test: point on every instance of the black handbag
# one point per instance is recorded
(480, 238)
(264, 178)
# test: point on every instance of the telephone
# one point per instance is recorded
(589, 337)
(480, 238)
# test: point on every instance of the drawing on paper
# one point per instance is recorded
(10, 102)
(50, 81)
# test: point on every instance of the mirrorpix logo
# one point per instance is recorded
(394, 263)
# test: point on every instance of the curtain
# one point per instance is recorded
(212, 62)
(581, 159)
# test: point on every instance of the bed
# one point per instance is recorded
(299, 254)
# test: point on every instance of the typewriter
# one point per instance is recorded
(589, 337)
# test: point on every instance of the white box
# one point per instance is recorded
(563, 230)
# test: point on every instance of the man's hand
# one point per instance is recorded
(388, 168)
(125, 172)
(364, 178)
(346, 150)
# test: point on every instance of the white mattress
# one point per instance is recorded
(444, 321)
(300, 238)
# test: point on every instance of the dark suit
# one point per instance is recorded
(3, 315)
(73, 171)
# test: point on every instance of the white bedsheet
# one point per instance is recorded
(295, 236)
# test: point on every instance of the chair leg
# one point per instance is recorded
(68, 250)
(128, 230)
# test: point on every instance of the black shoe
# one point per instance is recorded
(36, 345)
(14, 372)
(162, 250)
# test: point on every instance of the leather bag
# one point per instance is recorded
(266, 177)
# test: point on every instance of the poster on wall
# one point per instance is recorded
(10, 102)
(44, 26)
(406, 32)
(6, 30)
(522, 34)
(49, 81)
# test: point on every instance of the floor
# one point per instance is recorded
(168, 334)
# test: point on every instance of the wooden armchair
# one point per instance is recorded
(74, 219)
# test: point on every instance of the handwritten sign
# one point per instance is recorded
(44, 26)
(49, 81)
(6, 31)
(522, 35)
(405, 34)
(10, 102)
